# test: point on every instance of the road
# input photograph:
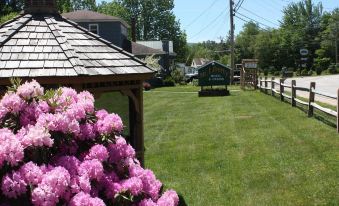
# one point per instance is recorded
(328, 84)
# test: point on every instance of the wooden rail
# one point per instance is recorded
(311, 104)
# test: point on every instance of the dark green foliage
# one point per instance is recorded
(177, 76)
(276, 73)
(304, 25)
(265, 72)
(332, 69)
(169, 82)
(318, 70)
(304, 72)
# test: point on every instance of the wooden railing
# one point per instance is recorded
(311, 104)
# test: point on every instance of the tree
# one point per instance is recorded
(300, 28)
(245, 41)
(156, 21)
(114, 8)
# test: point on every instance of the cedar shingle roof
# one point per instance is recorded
(91, 16)
(49, 45)
(139, 49)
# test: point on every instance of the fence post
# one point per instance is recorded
(265, 85)
(311, 100)
(294, 93)
(272, 86)
(260, 84)
(282, 88)
(338, 111)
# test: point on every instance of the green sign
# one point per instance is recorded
(214, 74)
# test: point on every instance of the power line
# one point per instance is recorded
(260, 16)
(238, 5)
(253, 20)
(249, 22)
(208, 25)
(221, 26)
(201, 14)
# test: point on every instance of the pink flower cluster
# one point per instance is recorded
(55, 148)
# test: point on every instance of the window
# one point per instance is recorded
(94, 28)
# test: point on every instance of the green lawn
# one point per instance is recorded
(245, 149)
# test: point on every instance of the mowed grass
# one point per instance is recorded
(245, 149)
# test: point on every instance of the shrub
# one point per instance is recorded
(304, 72)
(276, 73)
(310, 73)
(298, 72)
(57, 149)
(147, 86)
(332, 69)
(318, 70)
(265, 72)
(169, 82)
(177, 76)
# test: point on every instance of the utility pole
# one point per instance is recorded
(232, 39)
(336, 43)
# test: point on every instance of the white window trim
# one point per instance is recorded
(90, 25)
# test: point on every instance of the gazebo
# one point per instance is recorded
(40, 44)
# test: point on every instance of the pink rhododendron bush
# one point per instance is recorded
(57, 149)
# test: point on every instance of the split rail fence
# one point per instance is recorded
(269, 87)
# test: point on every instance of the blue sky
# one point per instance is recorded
(209, 19)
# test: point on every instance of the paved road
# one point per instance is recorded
(328, 84)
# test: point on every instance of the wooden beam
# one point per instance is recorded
(338, 110)
(311, 100)
(272, 86)
(294, 93)
(282, 89)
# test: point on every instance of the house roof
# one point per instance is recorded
(91, 16)
(200, 61)
(139, 49)
(49, 45)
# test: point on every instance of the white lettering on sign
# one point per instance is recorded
(216, 78)
(251, 65)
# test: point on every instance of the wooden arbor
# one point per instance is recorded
(54, 51)
(249, 74)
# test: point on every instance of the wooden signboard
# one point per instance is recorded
(214, 74)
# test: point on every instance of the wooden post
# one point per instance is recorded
(260, 83)
(294, 93)
(242, 78)
(266, 85)
(311, 100)
(338, 111)
(136, 121)
(272, 86)
(282, 89)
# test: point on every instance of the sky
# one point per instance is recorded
(209, 19)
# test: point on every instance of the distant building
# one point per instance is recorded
(115, 30)
(111, 28)
(166, 60)
(198, 62)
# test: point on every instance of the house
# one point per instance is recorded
(198, 62)
(110, 28)
(167, 60)
(115, 30)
